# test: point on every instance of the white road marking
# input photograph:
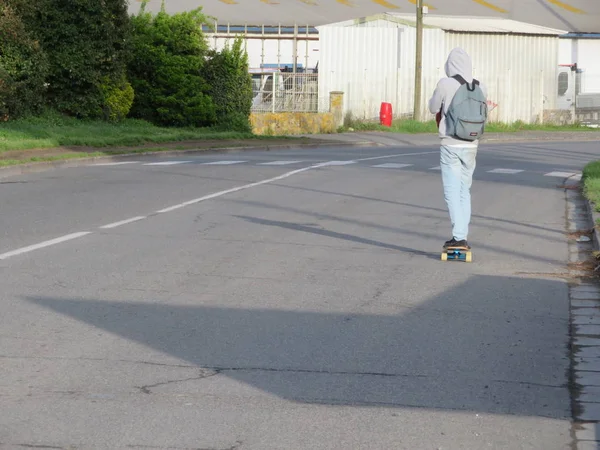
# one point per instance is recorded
(222, 163)
(239, 188)
(72, 236)
(278, 163)
(508, 171)
(115, 163)
(372, 158)
(392, 166)
(167, 163)
(123, 222)
(280, 177)
(337, 163)
(560, 174)
(58, 240)
(436, 168)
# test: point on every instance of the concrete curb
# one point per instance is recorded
(587, 136)
(595, 217)
(21, 169)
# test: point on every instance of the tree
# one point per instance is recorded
(230, 83)
(166, 69)
(23, 67)
(87, 43)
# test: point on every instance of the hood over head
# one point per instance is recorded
(459, 63)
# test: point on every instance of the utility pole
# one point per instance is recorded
(418, 61)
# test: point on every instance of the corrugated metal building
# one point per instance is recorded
(373, 61)
(583, 50)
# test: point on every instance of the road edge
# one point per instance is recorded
(584, 313)
(42, 166)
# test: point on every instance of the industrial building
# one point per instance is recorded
(373, 61)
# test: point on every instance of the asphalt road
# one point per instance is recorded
(294, 305)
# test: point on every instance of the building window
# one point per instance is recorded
(563, 83)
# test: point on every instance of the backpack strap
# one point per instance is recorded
(462, 81)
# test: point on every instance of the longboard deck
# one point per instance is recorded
(457, 254)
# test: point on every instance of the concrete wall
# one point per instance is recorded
(293, 123)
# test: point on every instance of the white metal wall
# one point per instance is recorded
(363, 63)
(588, 51)
(520, 72)
(585, 53)
(372, 65)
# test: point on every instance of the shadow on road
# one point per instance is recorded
(333, 234)
(491, 345)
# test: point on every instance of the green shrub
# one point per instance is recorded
(230, 83)
(166, 69)
(86, 41)
(118, 98)
(23, 67)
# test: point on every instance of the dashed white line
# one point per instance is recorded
(436, 168)
(123, 222)
(72, 236)
(336, 163)
(392, 166)
(560, 174)
(167, 163)
(30, 248)
(239, 188)
(372, 158)
(222, 163)
(278, 163)
(114, 163)
(507, 171)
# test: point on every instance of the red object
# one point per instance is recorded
(438, 118)
(385, 114)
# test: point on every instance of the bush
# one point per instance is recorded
(230, 86)
(166, 69)
(118, 98)
(23, 67)
(86, 41)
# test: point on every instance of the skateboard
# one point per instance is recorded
(457, 254)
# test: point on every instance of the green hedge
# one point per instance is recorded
(230, 84)
(90, 59)
(166, 69)
(23, 66)
(86, 42)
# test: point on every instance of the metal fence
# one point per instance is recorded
(285, 92)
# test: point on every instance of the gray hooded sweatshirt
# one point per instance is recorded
(458, 63)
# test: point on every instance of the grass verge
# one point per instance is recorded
(590, 178)
(414, 127)
(53, 130)
(53, 137)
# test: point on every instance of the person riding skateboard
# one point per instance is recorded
(460, 105)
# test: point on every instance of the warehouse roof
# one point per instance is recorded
(480, 25)
(570, 15)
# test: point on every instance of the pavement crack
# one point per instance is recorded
(315, 371)
(528, 383)
(39, 446)
(233, 447)
(204, 373)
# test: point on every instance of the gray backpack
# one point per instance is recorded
(468, 111)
